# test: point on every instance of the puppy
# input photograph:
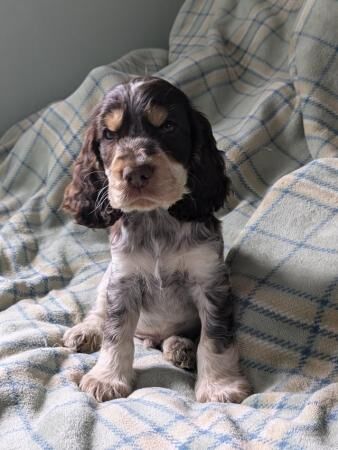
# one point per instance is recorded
(149, 169)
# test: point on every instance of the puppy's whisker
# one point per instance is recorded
(102, 191)
(100, 202)
(101, 198)
(99, 205)
(92, 173)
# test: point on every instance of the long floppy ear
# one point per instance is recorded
(86, 196)
(207, 182)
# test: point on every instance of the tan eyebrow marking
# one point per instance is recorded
(157, 115)
(113, 120)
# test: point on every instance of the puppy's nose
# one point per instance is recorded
(137, 177)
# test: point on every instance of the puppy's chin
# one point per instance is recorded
(144, 204)
(147, 199)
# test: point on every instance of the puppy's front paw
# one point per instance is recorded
(83, 337)
(232, 390)
(103, 388)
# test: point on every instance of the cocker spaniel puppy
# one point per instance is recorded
(149, 169)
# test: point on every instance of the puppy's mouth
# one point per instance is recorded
(140, 200)
(158, 183)
(141, 204)
(145, 199)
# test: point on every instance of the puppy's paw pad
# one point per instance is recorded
(82, 338)
(104, 389)
(223, 391)
(180, 351)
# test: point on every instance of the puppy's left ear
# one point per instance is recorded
(207, 183)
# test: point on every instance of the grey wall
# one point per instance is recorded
(48, 46)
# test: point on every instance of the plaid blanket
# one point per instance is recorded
(265, 74)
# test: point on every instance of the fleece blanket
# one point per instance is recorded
(265, 74)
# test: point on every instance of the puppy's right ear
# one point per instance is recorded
(86, 197)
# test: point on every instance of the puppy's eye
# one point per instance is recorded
(108, 134)
(168, 126)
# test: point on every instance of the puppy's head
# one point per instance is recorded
(146, 148)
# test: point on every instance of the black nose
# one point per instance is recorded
(137, 177)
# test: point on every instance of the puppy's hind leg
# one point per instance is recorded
(86, 336)
(180, 351)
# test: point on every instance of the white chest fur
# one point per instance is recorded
(198, 262)
(174, 262)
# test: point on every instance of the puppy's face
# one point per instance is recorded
(146, 148)
(144, 136)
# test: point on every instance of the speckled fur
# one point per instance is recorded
(165, 279)
(167, 282)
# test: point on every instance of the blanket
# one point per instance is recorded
(265, 74)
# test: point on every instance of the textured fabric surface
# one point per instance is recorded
(265, 74)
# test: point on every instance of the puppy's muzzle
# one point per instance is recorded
(139, 176)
